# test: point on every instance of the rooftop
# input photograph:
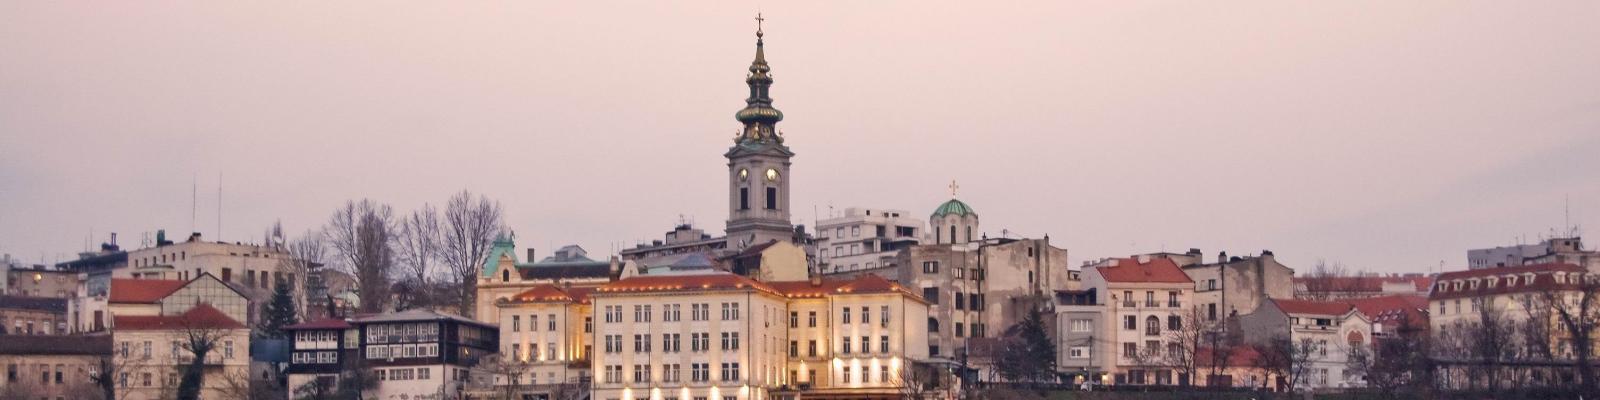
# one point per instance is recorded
(47, 304)
(1292, 306)
(147, 291)
(96, 345)
(953, 207)
(201, 316)
(1153, 270)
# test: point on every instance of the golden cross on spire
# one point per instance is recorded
(758, 24)
(953, 187)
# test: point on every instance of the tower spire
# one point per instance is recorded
(758, 116)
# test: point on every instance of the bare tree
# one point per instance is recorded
(506, 374)
(470, 226)
(923, 382)
(306, 254)
(567, 391)
(419, 243)
(363, 233)
(23, 389)
(1282, 357)
(198, 339)
(1397, 366)
(1572, 299)
(1327, 280)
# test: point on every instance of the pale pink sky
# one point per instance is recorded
(1387, 135)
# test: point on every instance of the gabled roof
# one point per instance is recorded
(1292, 306)
(545, 292)
(1156, 270)
(1394, 311)
(321, 324)
(685, 283)
(415, 315)
(864, 284)
(200, 316)
(143, 291)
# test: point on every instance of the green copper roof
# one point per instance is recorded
(503, 246)
(953, 207)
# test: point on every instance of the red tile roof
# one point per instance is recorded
(1363, 283)
(1444, 286)
(551, 293)
(146, 291)
(1394, 311)
(325, 323)
(1292, 306)
(1157, 270)
(864, 284)
(201, 316)
(684, 283)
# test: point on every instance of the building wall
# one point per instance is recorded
(152, 352)
(239, 264)
(50, 376)
(518, 338)
(1240, 285)
(23, 321)
(40, 283)
(759, 356)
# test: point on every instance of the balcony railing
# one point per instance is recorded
(210, 359)
(1174, 304)
(1152, 303)
(1128, 304)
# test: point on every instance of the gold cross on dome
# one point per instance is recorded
(758, 23)
(953, 187)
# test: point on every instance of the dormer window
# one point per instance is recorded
(1511, 281)
(1492, 282)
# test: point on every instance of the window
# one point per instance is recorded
(883, 316)
(730, 340)
(844, 345)
(730, 311)
(961, 303)
(811, 349)
(1211, 312)
(931, 295)
(855, 231)
(933, 325)
(1078, 352)
(550, 325)
(1152, 326)
(613, 374)
(794, 348)
(844, 315)
(848, 371)
(1174, 322)
(772, 198)
(1129, 349)
(930, 267)
(700, 372)
(516, 323)
(794, 319)
(1080, 325)
(641, 373)
(811, 319)
(730, 372)
(641, 343)
(1130, 323)
(866, 315)
(744, 198)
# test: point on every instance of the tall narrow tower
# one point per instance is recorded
(758, 165)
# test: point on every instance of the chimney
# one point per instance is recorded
(1113, 262)
(1267, 254)
(113, 238)
(1222, 257)
(1144, 258)
(530, 255)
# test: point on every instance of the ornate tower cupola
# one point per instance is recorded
(758, 163)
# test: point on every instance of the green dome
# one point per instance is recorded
(953, 207)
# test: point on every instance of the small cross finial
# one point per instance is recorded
(758, 24)
(953, 187)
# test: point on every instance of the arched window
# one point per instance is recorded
(1355, 339)
(969, 233)
(938, 235)
(952, 233)
(505, 275)
(933, 325)
(1152, 325)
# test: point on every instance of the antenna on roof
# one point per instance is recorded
(219, 206)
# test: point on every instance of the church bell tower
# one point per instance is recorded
(758, 165)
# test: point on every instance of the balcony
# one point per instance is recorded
(211, 359)
(1174, 304)
(1152, 303)
(1129, 304)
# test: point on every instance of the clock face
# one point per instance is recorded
(772, 174)
(744, 173)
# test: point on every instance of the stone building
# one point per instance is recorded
(33, 315)
(1237, 285)
(153, 351)
(52, 367)
(864, 238)
(502, 276)
(1145, 301)
(1330, 330)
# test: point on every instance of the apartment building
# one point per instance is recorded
(154, 350)
(503, 276)
(1146, 300)
(864, 238)
(410, 354)
(54, 367)
(1567, 249)
(725, 336)
(320, 351)
(38, 281)
(1328, 330)
(33, 315)
(1234, 286)
(549, 331)
(145, 297)
(255, 270)
(1514, 297)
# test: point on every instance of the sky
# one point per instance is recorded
(1386, 136)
